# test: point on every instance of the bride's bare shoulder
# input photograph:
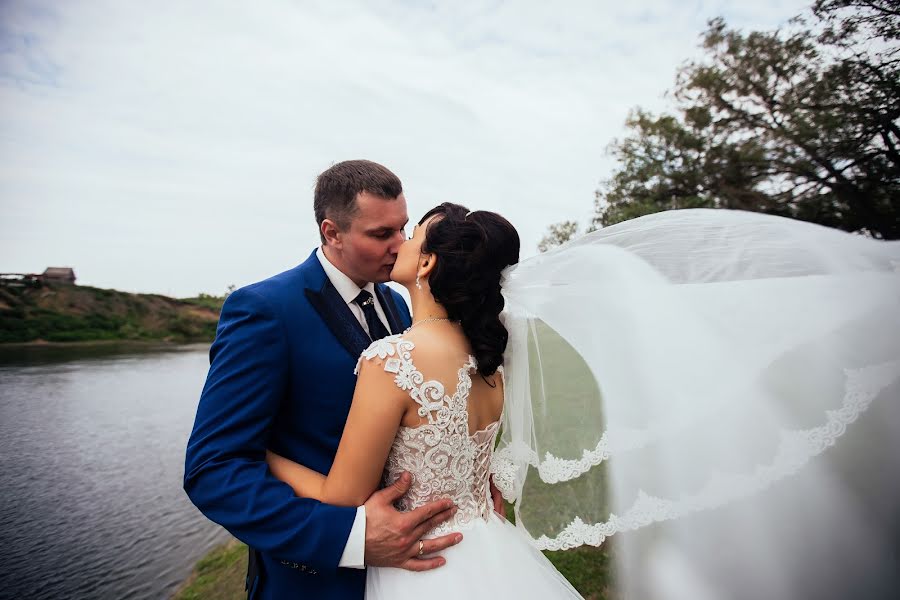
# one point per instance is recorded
(437, 342)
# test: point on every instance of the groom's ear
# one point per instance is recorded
(330, 232)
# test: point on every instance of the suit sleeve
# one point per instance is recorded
(225, 473)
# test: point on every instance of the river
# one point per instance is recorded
(92, 446)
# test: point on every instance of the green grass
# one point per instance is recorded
(589, 570)
(572, 396)
(219, 575)
(207, 301)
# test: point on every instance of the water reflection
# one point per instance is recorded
(36, 354)
(91, 459)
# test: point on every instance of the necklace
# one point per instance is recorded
(426, 321)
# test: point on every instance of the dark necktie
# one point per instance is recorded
(376, 327)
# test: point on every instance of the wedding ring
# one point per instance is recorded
(421, 547)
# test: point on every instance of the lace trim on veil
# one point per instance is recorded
(795, 449)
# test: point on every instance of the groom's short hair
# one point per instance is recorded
(338, 186)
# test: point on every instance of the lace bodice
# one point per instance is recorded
(444, 459)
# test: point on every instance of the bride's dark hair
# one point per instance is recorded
(472, 248)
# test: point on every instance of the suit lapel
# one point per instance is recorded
(386, 299)
(339, 318)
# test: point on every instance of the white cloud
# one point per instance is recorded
(172, 147)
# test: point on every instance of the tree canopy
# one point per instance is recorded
(800, 122)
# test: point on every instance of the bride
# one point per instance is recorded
(689, 377)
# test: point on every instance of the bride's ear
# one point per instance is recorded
(426, 264)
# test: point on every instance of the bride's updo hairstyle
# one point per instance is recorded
(472, 248)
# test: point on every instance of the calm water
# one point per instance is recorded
(91, 461)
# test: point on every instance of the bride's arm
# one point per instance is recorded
(375, 415)
(305, 482)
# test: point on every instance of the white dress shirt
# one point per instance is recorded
(349, 291)
(355, 550)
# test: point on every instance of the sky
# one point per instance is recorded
(172, 147)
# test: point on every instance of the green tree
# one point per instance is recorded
(558, 234)
(848, 22)
(800, 122)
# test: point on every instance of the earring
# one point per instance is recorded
(418, 284)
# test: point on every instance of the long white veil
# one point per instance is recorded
(721, 387)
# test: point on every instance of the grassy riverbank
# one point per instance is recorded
(70, 313)
(217, 576)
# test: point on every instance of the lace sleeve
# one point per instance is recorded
(503, 474)
(389, 350)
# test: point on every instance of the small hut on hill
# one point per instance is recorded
(58, 275)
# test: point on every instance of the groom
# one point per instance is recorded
(281, 377)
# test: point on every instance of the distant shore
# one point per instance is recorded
(163, 343)
(65, 314)
(39, 343)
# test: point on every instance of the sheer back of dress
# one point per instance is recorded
(445, 459)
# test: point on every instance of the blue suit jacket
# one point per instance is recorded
(281, 377)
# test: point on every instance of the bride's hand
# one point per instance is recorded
(394, 539)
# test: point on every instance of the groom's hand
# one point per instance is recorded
(392, 537)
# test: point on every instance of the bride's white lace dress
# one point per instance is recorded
(494, 560)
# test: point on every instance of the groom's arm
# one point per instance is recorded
(226, 475)
(375, 415)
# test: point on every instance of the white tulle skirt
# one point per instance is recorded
(494, 560)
